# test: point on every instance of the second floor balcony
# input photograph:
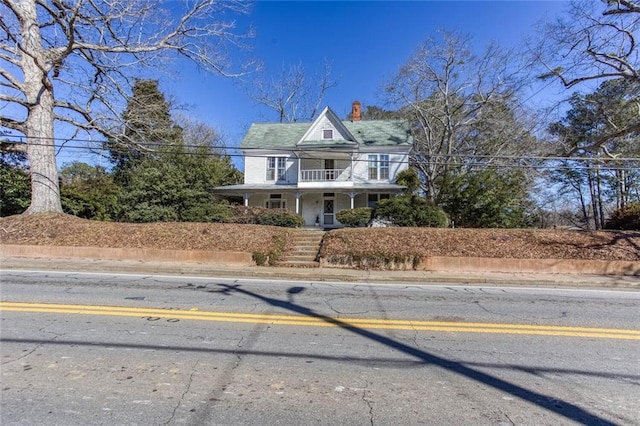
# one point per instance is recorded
(323, 175)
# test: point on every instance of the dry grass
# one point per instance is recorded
(66, 230)
(351, 246)
(408, 243)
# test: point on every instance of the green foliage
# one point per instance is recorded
(410, 179)
(261, 259)
(284, 218)
(148, 127)
(598, 127)
(15, 184)
(177, 187)
(355, 217)
(410, 210)
(271, 257)
(220, 212)
(166, 177)
(262, 216)
(373, 112)
(486, 199)
(626, 218)
(89, 192)
(594, 117)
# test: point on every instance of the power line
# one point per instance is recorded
(319, 150)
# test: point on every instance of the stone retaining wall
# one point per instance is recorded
(545, 266)
(142, 254)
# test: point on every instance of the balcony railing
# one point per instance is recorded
(323, 175)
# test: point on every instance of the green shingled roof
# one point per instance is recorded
(367, 133)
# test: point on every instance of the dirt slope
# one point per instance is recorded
(493, 243)
(65, 230)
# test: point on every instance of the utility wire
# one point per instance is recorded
(320, 150)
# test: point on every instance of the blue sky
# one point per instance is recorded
(365, 41)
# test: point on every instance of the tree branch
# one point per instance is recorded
(623, 7)
(13, 147)
(10, 123)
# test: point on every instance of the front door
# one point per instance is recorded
(328, 211)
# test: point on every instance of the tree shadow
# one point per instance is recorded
(630, 239)
(562, 408)
(622, 237)
(368, 361)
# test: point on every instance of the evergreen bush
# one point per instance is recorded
(218, 212)
(626, 218)
(411, 210)
(262, 216)
(355, 217)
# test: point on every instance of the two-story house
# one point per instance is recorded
(317, 169)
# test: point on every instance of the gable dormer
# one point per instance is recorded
(327, 131)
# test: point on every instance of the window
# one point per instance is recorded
(379, 169)
(373, 167)
(275, 201)
(372, 199)
(327, 134)
(276, 168)
(384, 167)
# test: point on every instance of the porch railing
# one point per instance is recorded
(323, 175)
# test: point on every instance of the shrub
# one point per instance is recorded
(410, 179)
(410, 211)
(355, 217)
(262, 216)
(213, 212)
(281, 218)
(627, 218)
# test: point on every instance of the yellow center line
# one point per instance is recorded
(300, 320)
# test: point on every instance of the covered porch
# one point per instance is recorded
(317, 206)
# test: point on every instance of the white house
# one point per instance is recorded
(317, 169)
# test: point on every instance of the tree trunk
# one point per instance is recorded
(45, 189)
(600, 203)
(623, 189)
(592, 196)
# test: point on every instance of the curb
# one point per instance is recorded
(322, 274)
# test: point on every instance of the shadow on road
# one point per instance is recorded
(562, 408)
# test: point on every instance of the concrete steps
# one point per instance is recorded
(305, 250)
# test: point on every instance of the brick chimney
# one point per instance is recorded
(355, 111)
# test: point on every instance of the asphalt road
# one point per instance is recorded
(80, 349)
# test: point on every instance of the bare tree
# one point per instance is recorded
(594, 42)
(196, 134)
(293, 94)
(72, 62)
(463, 107)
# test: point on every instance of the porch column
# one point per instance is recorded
(352, 196)
(299, 160)
(351, 174)
(297, 203)
(245, 196)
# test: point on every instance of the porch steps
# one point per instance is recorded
(305, 250)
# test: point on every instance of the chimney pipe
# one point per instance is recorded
(355, 111)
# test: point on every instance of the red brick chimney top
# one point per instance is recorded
(355, 111)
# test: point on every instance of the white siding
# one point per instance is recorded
(397, 163)
(316, 134)
(255, 167)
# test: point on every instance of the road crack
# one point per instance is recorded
(39, 345)
(184, 393)
(337, 312)
(369, 404)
